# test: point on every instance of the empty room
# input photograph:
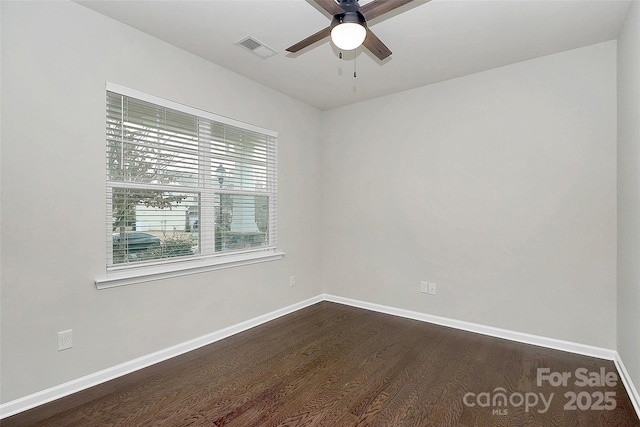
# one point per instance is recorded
(320, 213)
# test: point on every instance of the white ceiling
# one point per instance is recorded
(431, 41)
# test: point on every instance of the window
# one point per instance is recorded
(185, 188)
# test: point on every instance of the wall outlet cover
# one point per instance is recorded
(432, 288)
(65, 340)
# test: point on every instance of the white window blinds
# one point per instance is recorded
(185, 184)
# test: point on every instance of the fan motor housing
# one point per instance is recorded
(349, 18)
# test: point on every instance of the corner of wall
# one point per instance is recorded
(628, 193)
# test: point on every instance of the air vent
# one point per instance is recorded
(257, 47)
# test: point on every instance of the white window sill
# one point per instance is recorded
(158, 272)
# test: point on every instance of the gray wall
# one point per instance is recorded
(499, 186)
(56, 58)
(629, 193)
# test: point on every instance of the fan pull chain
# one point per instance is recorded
(355, 64)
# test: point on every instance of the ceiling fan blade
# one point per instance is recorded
(326, 32)
(330, 6)
(380, 7)
(375, 45)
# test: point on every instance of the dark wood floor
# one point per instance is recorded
(335, 365)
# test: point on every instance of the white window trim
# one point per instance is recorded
(183, 267)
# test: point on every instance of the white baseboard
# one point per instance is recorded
(36, 399)
(587, 350)
(628, 384)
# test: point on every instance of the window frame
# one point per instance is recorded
(117, 274)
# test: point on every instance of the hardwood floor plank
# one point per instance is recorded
(335, 365)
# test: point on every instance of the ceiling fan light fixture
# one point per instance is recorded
(348, 30)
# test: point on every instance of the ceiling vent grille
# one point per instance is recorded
(257, 47)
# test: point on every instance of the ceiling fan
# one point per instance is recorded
(348, 29)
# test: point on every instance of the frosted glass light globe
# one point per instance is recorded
(348, 35)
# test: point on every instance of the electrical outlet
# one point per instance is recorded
(432, 288)
(65, 340)
(424, 287)
(292, 281)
